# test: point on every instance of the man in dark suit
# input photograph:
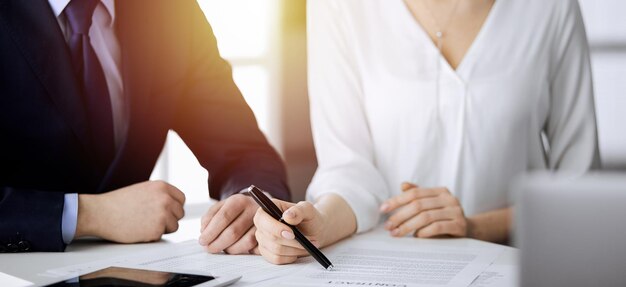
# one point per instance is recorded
(88, 92)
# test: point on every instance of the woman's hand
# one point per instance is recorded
(425, 212)
(277, 242)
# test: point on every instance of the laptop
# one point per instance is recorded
(571, 231)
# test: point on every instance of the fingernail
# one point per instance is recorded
(287, 235)
(388, 225)
(395, 232)
(202, 242)
(289, 213)
(384, 207)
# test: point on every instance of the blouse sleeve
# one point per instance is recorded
(571, 125)
(340, 131)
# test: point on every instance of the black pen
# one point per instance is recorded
(275, 212)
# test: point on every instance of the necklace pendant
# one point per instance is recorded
(439, 34)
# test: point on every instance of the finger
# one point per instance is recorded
(412, 209)
(276, 259)
(270, 226)
(175, 193)
(255, 251)
(273, 230)
(407, 185)
(177, 210)
(206, 218)
(303, 211)
(284, 250)
(222, 219)
(231, 234)
(283, 239)
(246, 243)
(439, 228)
(171, 224)
(406, 197)
(282, 205)
(420, 221)
(280, 246)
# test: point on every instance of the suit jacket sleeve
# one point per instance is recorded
(30, 220)
(219, 127)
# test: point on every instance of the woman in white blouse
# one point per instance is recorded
(425, 111)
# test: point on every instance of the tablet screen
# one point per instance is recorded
(127, 277)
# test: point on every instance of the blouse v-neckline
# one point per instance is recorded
(474, 47)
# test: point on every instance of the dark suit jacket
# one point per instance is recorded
(174, 78)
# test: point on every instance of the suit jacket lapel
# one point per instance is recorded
(36, 32)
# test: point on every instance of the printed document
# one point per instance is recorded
(497, 276)
(378, 263)
(363, 260)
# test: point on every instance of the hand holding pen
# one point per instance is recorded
(280, 242)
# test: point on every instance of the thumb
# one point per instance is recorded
(301, 212)
(407, 185)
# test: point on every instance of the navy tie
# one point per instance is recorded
(94, 86)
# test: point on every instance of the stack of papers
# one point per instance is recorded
(359, 261)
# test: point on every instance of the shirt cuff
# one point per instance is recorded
(70, 217)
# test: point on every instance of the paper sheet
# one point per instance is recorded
(7, 280)
(497, 276)
(364, 260)
(377, 263)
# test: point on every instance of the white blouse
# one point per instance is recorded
(521, 99)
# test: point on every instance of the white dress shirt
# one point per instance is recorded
(378, 119)
(107, 49)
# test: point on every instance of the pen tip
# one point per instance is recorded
(330, 267)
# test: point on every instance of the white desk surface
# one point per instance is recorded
(29, 266)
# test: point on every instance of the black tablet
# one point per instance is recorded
(128, 277)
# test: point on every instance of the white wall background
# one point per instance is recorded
(606, 28)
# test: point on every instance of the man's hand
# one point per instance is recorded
(141, 212)
(227, 226)
(425, 212)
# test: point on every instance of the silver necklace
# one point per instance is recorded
(440, 33)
